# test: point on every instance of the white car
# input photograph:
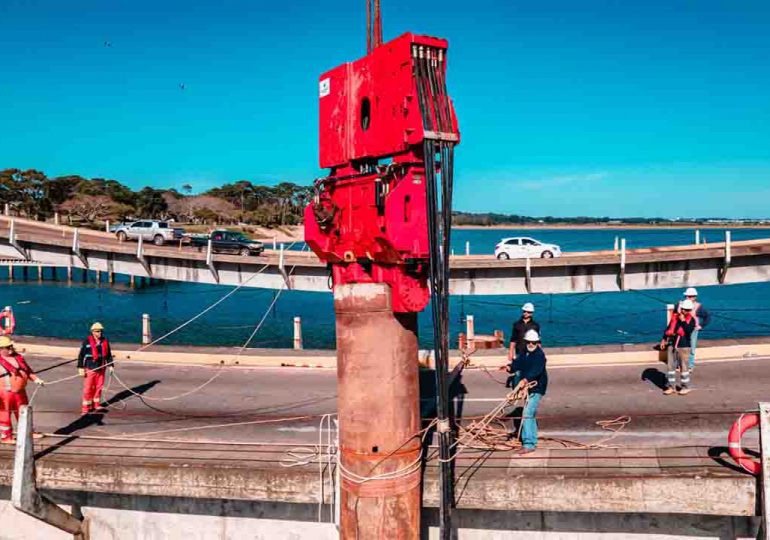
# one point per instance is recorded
(525, 248)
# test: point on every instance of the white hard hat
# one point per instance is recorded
(687, 304)
(528, 307)
(532, 336)
(691, 291)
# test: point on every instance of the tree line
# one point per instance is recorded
(32, 194)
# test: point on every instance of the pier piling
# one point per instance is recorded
(379, 423)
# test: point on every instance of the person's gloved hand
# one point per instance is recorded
(39, 382)
(111, 370)
(81, 372)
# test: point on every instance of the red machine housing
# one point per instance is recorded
(368, 219)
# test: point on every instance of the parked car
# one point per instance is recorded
(158, 232)
(523, 248)
(223, 241)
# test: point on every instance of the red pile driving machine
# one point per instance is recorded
(381, 118)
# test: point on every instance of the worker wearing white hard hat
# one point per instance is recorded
(529, 380)
(702, 319)
(677, 342)
(94, 359)
(521, 327)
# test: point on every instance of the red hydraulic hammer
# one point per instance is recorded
(369, 219)
(387, 127)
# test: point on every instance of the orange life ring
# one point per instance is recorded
(744, 423)
(7, 322)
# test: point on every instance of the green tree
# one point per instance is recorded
(150, 203)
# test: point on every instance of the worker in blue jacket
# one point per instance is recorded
(530, 368)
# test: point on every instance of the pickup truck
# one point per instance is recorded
(158, 232)
(223, 241)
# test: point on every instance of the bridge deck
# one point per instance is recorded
(645, 268)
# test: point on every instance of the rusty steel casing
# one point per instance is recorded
(379, 414)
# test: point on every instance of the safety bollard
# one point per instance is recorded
(146, 331)
(297, 333)
(469, 329)
(467, 248)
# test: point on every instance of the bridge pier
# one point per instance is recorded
(69, 274)
(10, 273)
(111, 278)
(40, 272)
(98, 277)
(132, 281)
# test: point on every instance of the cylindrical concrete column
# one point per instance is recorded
(10, 273)
(146, 330)
(379, 420)
(297, 333)
(697, 236)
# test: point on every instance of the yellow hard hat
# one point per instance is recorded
(5, 341)
(97, 326)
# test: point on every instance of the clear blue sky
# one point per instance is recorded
(593, 108)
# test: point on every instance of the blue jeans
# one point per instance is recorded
(529, 423)
(693, 345)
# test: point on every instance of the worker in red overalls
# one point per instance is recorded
(15, 373)
(94, 359)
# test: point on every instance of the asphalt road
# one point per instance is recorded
(284, 404)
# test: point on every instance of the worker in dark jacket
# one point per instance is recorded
(527, 368)
(526, 323)
(677, 341)
(95, 357)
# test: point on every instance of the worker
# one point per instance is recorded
(95, 357)
(15, 373)
(529, 368)
(702, 319)
(677, 341)
(520, 328)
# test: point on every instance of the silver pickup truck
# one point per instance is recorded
(158, 232)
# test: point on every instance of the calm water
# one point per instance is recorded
(58, 310)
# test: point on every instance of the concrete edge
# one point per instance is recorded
(726, 352)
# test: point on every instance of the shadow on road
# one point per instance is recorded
(656, 377)
(92, 419)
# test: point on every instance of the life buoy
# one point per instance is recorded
(744, 423)
(7, 321)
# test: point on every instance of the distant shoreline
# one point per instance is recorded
(600, 226)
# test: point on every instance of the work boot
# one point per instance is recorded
(669, 390)
(684, 390)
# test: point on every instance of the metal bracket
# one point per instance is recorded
(528, 276)
(728, 258)
(622, 275)
(210, 260)
(140, 256)
(24, 494)
(282, 270)
(76, 248)
(764, 445)
(12, 240)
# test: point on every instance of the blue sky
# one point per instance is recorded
(566, 108)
